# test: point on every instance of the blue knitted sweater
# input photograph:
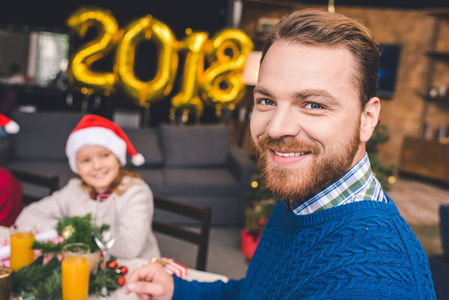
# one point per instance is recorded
(363, 250)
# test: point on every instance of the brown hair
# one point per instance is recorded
(116, 186)
(319, 28)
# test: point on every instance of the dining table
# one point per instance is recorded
(133, 264)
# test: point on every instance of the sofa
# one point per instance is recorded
(194, 164)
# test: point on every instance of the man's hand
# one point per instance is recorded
(151, 282)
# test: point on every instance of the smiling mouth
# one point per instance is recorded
(99, 176)
(291, 154)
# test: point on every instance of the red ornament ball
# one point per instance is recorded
(122, 270)
(112, 264)
(261, 222)
(121, 281)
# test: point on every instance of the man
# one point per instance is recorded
(334, 234)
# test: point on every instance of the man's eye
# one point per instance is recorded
(265, 101)
(313, 106)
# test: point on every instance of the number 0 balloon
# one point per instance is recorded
(146, 92)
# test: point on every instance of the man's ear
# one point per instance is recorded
(370, 117)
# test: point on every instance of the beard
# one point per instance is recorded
(319, 171)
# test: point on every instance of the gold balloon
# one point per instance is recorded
(188, 99)
(222, 82)
(79, 71)
(146, 92)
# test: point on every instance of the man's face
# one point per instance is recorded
(307, 119)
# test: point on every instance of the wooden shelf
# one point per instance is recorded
(439, 13)
(442, 55)
(436, 58)
(443, 100)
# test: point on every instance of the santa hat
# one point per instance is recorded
(9, 125)
(93, 130)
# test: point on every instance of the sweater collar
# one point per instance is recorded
(354, 209)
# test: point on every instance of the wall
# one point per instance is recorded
(412, 29)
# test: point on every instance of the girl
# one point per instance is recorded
(96, 150)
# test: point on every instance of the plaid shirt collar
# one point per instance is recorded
(102, 197)
(357, 184)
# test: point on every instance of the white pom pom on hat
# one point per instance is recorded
(94, 130)
(10, 126)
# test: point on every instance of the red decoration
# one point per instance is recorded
(122, 280)
(249, 240)
(122, 270)
(261, 222)
(112, 264)
(173, 267)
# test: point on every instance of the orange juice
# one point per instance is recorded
(21, 252)
(75, 278)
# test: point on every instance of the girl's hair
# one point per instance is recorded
(116, 185)
(318, 28)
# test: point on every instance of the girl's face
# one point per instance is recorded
(98, 167)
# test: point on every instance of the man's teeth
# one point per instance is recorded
(290, 154)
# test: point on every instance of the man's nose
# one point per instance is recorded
(284, 123)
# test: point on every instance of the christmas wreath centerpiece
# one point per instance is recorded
(42, 278)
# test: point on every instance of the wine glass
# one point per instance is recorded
(105, 229)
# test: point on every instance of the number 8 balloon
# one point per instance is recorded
(222, 82)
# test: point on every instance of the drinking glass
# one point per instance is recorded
(105, 229)
(75, 271)
(5, 284)
(22, 238)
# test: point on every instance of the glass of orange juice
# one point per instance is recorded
(22, 238)
(75, 271)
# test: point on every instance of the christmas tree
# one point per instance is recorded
(385, 174)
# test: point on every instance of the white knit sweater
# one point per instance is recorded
(134, 210)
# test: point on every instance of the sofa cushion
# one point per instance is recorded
(145, 141)
(154, 178)
(43, 135)
(194, 145)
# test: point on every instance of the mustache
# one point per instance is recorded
(287, 143)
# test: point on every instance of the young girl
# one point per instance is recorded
(96, 150)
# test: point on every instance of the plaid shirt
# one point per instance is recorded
(102, 197)
(358, 184)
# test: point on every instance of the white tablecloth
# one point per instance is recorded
(133, 264)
